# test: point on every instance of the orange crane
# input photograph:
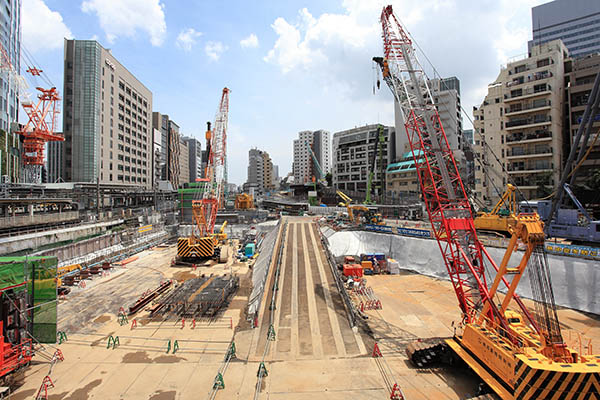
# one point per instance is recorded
(519, 354)
(204, 242)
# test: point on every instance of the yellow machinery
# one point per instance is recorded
(499, 219)
(62, 271)
(244, 201)
(519, 354)
(527, 358)
(355, 212)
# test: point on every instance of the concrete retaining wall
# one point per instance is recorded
(38, 218)
(575, 281)
(39, 239)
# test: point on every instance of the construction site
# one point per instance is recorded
(111, 292)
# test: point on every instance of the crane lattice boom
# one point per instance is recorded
(442, 189)
(205, 210)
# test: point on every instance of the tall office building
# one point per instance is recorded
(106, 120)
(169, 132)
(353, 154)
(446, 95)
(260, 172)
(10, 37)
(184, 162)
(195, 157)
(575, 22)
(54, 162)
(303, 167)
(158, 161)
(521, 121)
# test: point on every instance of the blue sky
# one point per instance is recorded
(307, 65)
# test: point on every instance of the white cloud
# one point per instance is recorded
(187, 39)
(335, 49)
(214, 50)
(43, 29)
(250, 41)
(127, 17)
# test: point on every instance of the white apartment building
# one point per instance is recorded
(520, 119)
(303, 166)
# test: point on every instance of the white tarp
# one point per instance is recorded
(575, 281)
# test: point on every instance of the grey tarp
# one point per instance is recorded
(260, 270)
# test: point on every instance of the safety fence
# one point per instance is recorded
(591, 253)
(262, 369)
(326, 210)
(570, 250)
(351, 312)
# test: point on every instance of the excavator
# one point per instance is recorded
(499, 219)
(519, 353)
(357, 211)
(206, 243)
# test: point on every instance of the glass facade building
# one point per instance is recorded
(575, 22)
(81, 119)
(10, 38)
(107, 119)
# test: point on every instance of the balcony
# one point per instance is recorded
(529, 168)
(538, 120)
(530, 78)
(528, 93)
(517, 109)
(532, 183)
(528, 137)
(517, 153)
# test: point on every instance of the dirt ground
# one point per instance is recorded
(315, 354)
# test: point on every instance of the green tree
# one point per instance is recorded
(329, 179)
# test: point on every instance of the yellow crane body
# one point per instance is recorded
(517, 362)
(244, 201)
(499, 220)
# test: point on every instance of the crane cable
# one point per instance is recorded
(588, 151)
(31, 62)
(484, 143)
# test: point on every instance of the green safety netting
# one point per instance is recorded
(40, 275)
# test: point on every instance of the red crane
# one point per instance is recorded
(41, 125)
(443, 192)
(514, 353)
(204, 209)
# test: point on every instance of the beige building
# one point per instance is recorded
(184, 162)
(520, 120)
(107, 119)
(267, 172)
(260, 172)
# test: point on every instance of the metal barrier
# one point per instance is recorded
(351, 312)
(591, 253)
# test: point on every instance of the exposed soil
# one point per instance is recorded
(184, 276)
(168, 359)
(102, 319)
(140, 357)
(160, 395)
